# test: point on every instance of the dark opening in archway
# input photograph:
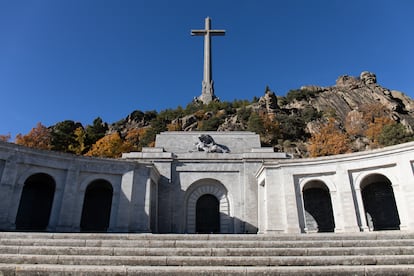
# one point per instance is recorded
(36, 203)
(379, 203)
(318, 208)
(96, 210)
(207, 215)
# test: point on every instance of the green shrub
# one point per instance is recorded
(300, 94)
(394, 134)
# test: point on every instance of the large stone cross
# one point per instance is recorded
(207, 92)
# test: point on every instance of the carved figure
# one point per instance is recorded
(208, 144)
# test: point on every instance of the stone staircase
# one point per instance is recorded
(376, 253)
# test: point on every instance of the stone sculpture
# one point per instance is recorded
(208, 144)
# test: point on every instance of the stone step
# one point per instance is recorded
(111, 251)
(58, 270)
(387, 235)
(382, 253)
(207, 260)
(152, 243)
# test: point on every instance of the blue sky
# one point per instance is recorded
(81, 59)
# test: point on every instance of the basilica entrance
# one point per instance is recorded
(96, 210)
(36, 203)
(379, 203)
(207, 215)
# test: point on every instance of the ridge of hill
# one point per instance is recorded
(355, 114)
(358, 107)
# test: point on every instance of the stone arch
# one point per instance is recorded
(208, 187)
(317, 204)
(36, 202)
(379, 203)
(97, 203)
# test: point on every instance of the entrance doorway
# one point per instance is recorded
(97, 204)
(379, 203)
(207, 215)
(35, 203)
(318, 207)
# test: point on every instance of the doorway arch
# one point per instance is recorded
(96, 211)
(318, 207)
(207, 214)
(379, 203)
(209, 187)
(35, 204)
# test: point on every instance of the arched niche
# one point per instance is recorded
(96, 211)
(36, 202)
(379, 203)
(318, 207)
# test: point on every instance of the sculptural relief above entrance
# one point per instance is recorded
(206, 143)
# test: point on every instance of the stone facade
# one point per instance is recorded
(345, 177)
(132, 186)
(177, 186)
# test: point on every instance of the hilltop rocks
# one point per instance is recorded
(365, 78)
(269, 101)
(189, 122)
(313, 88)
(232, 123)
(350, 93)
(368, 78)
(348, 82)
(404, 99)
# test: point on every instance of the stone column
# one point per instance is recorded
(276, 204)
(361, 211)
(67, 202)
(7, 185)
(124, 216)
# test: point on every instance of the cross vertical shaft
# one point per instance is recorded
(207, 92)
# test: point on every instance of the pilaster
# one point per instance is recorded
(7, 184)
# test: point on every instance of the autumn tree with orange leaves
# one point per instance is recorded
(132, 139)
(376, 127)
(5, 137)
(39, 137)
(330, 140)
(80, 136)
(110, 146)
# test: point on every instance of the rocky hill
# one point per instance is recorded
(351, 93)
(355, 114)
(287, 123)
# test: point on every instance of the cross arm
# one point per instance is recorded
(198, 32)
(217, 32)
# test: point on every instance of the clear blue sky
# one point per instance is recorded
(80, 59)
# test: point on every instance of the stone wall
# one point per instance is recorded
(345, 177)
(257, 190)
(71, 176)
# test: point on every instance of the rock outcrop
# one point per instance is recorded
(350, 93)
(292, 118)
(269, 101)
